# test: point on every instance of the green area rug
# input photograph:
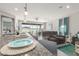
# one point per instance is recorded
(68, 49)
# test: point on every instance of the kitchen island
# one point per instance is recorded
(39, 50)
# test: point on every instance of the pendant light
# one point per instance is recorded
(25, 9)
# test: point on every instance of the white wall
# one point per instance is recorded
(74, 23)
(49, 26)
(52, 25)
(55, 24)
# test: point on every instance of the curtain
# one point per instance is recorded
(64, 26)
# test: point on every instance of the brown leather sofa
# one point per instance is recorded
(53, 36)
(58, 39)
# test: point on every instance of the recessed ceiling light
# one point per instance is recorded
(16, 9)
(67, 6)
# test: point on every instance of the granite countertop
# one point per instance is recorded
(39, 50)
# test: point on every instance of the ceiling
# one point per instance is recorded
(42, 11)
